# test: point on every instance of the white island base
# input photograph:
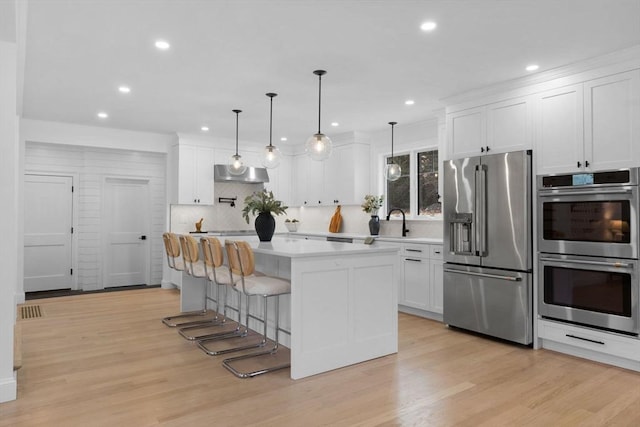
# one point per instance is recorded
(343, 304)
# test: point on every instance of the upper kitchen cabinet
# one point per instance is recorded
(494, 128)
(342, 179)
(195, 174)
(589, 126)
(280, 180)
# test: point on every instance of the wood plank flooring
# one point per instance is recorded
(107, 360)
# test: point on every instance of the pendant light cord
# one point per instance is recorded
(237, 118)
(270, 119)
(392, 125)
(319, 99)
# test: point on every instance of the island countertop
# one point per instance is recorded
(299, 248)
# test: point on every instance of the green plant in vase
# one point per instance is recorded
(265, 206)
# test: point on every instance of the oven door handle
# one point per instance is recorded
(487, 275)
(585, 193)
(579, 261)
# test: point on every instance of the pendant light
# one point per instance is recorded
(319, 146)
(392, 171)
(272, 154)
(236, 166)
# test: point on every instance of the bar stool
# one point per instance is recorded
(176, 262)
(241, 263)
(216, 274)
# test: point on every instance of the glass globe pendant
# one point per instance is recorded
(319, 146)
(271, 157)
(236, 166)
(392, 171)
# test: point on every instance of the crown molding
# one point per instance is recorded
(628, 58)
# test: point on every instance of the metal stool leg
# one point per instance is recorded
(227, 363)
(242, 331)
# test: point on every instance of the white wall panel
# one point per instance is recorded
(92, 166)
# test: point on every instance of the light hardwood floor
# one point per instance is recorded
(107, 360)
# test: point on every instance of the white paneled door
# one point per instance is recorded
(48, 210)
(126, 213)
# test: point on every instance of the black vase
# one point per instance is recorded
(374, 225)
(265, 226)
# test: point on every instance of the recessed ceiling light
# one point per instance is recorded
(124, 89)
(409, 102)
(532, 67)
(428, 26)
(204, 129)
(102, 115)
(284, 138)
(334, 124)
(162, 44)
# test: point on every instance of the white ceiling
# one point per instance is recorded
(228, 54)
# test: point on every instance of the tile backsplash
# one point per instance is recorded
(221, 216)
(355, 221)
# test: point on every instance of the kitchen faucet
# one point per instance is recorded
(404, 223)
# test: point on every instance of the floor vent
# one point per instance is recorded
(30, 312)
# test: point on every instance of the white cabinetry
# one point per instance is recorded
(280, 180)
(195, 174)
(591, 344)
(494, 128)
(341, 179)
(589, 126)
(421, 279)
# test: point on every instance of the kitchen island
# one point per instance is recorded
(343, 304)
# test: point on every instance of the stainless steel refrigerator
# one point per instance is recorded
(488, 245)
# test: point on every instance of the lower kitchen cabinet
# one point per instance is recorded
(420, 291)
(601, 346)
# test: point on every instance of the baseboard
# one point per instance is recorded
(422, 313)
(8, 389)
(166, 284)
(20, 298)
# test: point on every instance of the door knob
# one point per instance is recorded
(143, 237)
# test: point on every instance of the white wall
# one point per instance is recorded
(9, 178)
(91, 166)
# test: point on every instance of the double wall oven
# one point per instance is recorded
(588, 249)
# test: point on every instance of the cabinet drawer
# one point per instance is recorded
(602, 342)
(415, 250)
(435, 251)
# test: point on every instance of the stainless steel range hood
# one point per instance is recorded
(250, 176)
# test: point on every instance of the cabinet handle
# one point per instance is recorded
(412, 259)
(586, 163)
(487, 148)
(579, 164)
(482, 149)
(584, 339)
(436, 252)
(413, 250)
(319, 202)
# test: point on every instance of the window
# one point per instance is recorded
(428, 203)
(398, 191)
(416, 192)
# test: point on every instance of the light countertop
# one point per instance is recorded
(399, 239)
(284, 246)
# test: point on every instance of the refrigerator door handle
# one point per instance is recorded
(481, 210)
(487, 275)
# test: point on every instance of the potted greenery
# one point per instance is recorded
(265, 205)
(371, 205)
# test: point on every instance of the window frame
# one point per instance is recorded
(413, 182)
